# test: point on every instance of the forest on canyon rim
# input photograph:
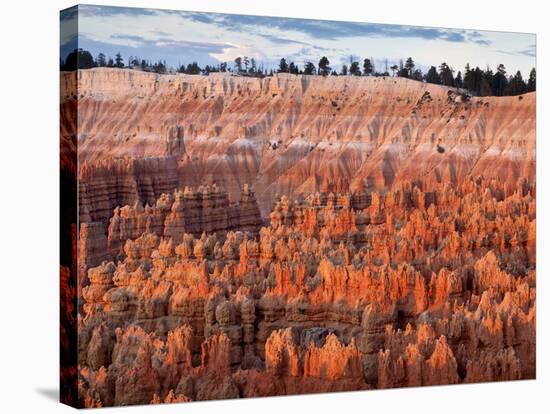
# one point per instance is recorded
(474, 80)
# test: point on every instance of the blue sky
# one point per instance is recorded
(211, 38)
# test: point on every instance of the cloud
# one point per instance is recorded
(160, 33)
(108, 11)
(230, 53)
(529, 51)
(483, 42)
(507, 52)
(281, 40)
(167, 41)
(204, 46)
(475, 37)
(134, 38)
(173, 52)
(201, 17)
(286, 31)
(332, 30)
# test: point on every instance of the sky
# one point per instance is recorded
(181, 37)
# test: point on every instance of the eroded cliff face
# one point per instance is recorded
(341, 234)
(287, 134)
(416, 294)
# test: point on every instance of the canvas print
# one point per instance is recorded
(262, 206)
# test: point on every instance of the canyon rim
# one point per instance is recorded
(256, 206)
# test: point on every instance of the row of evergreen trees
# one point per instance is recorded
(475, 80)
(82, 59)
(483, 82)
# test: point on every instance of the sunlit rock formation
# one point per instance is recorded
(248, 237)
(142, 134)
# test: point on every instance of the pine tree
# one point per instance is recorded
(101, 60)
(193, 69)
(309, 68)
(473, 80)
(238, 64)
(468, 78)
(354, 69)
(499, 81)
(292, 68)
(368, 69)
(446, 74)
(458, 80)
(532, 82)
(417, 75)
(283, 66)
(486, 87)
(393, 69)
(402, 72)
(516, 85)
(324, 68)
(344, 70)
(119, 62)
(432, 76)
(479, 83)
(409, 65)
(159, 67)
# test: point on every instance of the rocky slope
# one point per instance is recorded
(340, 234)
(188, 211)
(403, 292)
(287, 134)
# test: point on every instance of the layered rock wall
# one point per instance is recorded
(393, 242)
(295, 134)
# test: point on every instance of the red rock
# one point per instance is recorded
(343, 265)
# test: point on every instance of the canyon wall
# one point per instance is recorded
(142, 134)
(244, 237)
